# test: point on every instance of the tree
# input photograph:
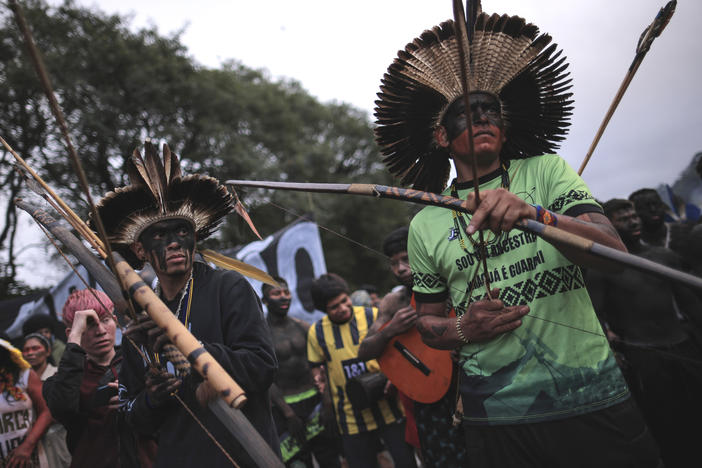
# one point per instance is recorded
(117, 87)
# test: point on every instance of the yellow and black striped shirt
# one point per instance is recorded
(336, 346)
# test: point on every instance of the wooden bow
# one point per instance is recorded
(606, 255)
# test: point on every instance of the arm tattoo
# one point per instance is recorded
(432, 331)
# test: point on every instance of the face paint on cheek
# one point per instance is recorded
(454, 120)
(157, 247)
(483, 108)
(278, 306)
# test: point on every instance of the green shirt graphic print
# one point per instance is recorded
(557, 363)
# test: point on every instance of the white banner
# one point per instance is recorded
(295, 254)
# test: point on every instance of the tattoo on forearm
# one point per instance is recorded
(431, 332)
(424, 331)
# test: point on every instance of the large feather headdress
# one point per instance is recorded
(508, 58)
(157, 192)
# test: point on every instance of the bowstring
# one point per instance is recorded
(530, 315)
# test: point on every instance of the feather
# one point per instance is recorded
(241, 211)
(171, 165)
(228, 263)
(508, 58)
(158, 191)
(155, 174)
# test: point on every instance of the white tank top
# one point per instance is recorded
(16, 417)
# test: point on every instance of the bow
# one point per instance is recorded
(600, 253)
(131, 285)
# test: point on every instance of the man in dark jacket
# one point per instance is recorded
(82, 395)
(157, 219)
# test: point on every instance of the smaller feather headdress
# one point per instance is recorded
(157, 192)
(508, 58)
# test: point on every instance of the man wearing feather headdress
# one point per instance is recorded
(158, 218)
(539, 385)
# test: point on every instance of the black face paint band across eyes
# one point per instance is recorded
(169, 232)
(484, 108)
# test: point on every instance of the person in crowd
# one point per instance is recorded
(535, 365)
(651, 211)
(361, 298)
(440, 441)
(373, 293)
(219, 307)
(298, 406)
(642, 315)
(333, 342)
(45, 325)
(24, 415)
(36, 350)
(83, 394)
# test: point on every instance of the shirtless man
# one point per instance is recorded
(297, 402)
(642, 315)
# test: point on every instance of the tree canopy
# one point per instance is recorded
(117, 87)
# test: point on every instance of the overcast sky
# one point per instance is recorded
(340, 50)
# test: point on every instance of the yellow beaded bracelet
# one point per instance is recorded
(459, 330)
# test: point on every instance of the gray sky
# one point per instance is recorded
(340, 50)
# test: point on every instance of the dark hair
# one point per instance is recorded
(643, 191)
(37, 336)
(396, 241)
(265, 287)
(325, 288)
(615, 204)
(38, 321)
(369, 288)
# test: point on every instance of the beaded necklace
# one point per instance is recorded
(187, 291)
(458, 217)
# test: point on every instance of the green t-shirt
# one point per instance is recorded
(558, 362)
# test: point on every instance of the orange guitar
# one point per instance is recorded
(417, 370)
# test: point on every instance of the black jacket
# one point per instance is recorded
(96, 436)
(226, 316)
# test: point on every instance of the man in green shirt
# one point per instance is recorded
(539, 385)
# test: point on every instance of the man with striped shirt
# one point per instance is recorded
(333, 342)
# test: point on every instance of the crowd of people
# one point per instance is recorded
(496, 349)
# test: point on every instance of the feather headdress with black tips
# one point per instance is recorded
(157, 192)
(508, 58)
